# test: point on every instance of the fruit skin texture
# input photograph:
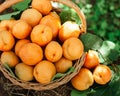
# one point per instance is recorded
(43, 6)
(19, 45)
(10, 58)
(24, 72)
(83, 80)
(31, 16)
(102, 74)
(91, 59)
(7, 24)
(72, 48)
(53, 51)
(41, 34)
(52, 20)
(44, 71)
(21, 29)
(69, 29)
(31, 54)
(63, 65)
(7, 41)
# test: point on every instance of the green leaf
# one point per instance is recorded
(69, 15)
(78, 93)
(59, 75)
(91, 41)
(9, 69)
(117, 13)
(109, 51)
(9, 16)
(21, 5)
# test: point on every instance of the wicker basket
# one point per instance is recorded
(63, 80)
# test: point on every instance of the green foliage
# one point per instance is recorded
(91, 41)
(18, 8)
(22, 5)
(59, 75)
(9, 16)
(9, 69)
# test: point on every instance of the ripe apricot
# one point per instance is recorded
(21, 29)
(91, 59)
(53, 22)
(7, 24)
(43, 6)
(3, 29)
(31, 53)
(41, 34)
(73, 48)
(55, 15)
(69, 29)
(102, 74)
(63, 65)
(83, 80)
(10, 58)
(53, 51)
(44, 72)
(19, 45)
(31, 16)
(7, 41)
(24, 72)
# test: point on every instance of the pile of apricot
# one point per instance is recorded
(92, 71)
(37, 45)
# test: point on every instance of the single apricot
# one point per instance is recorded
(31, 53)
(19, 45)
(7, 24)
(10, 58)
(102, 74)
(3, 29)
(43, 6)
(44, 72)
(31, 16)
(73, 48)
(55, 15)
(53, 51)
(21, 29)
(69, 29)
(7, 41)
(41, 34)
(83, 80)
(53, 22)
(63, 65)
(91, 59)
(24, 72)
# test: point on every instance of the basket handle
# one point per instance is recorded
(81, 15)
(7, 4)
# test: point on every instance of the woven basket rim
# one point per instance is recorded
(63, 80)
(37, 86)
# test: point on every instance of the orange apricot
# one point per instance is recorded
(19, 45)
(31, 54)
(83, 80)
(102, 74)
(41, 34)
(31, 16)
(10, 58)
(43, 6)
(21, 29)
(7, 41)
